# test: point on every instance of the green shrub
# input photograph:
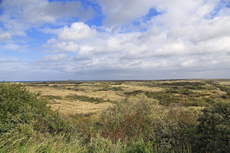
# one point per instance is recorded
(19, 106)
(185, 83)
(141, 147)
(173, 128)
(111, 88)
(187, 92)
(213, 131)
(135, 92)
(224, 97)
(86, 99)
(127, 121)
(51, 97)
(164, 98)
(163, 128)
(194, 103)
(175, 91)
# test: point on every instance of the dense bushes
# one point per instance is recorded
(19, 106)
(213, 132)
(172, 128)
(159, 128)
(127, 121)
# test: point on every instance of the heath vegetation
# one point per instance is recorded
(115, 116)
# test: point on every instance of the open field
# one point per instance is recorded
(79, 97)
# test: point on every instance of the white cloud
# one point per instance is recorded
(43, 11)
(188, 63)
(20, 16)
(50, 12)
(125, 11)
(60, 57)
(70, 37)
(188, 36)
(51, 41)
(61, 46)
(10, 47)
(5, 37)
(48, 30)
(67, 47)
(184, 37)
(12, 64)
(77, 32)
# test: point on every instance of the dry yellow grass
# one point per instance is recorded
(73, 107)
(50, 91)
(133, 87)
(70, 108)
(112, 91)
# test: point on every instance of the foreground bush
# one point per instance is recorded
(19, 106)
(162, 128)
(173, 127)
(127, 121)
(213, 132)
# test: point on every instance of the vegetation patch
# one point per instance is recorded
(111, 88)
(212, 134)
(185, 83)
(85, 98)
(134, 92)
(20, 107)
(51, 97)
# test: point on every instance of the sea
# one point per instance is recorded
(50, 81)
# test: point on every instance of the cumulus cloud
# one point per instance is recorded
(185, 38)
(185, 35)
(190, 33)
(20, 16)
(60, 46)
(69, 38)
(78, 31)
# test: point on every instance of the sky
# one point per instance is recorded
(114, 39)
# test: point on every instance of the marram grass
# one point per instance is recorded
(48, 145)
(97, 145)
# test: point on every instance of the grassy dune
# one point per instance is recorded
(109, 116)
(71, 97)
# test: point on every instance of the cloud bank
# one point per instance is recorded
(159, 39)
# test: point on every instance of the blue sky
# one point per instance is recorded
(114, 40)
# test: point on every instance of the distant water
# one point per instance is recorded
(47, 81)
(26, 81)
(58, 80)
